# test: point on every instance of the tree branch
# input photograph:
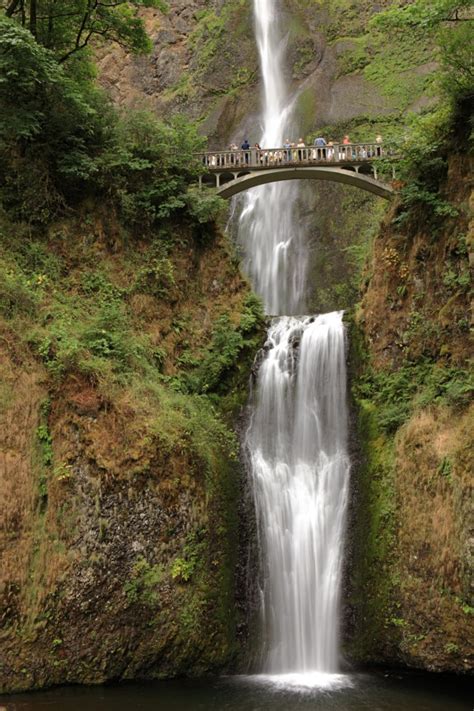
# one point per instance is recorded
(12, 8)
(80, 45)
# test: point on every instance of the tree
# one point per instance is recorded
(62, 141)
(45, 117)
(69, 26)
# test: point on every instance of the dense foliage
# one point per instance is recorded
(441, 30)
(68, 26)
(441, 34)
(62, 141)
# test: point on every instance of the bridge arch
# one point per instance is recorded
(338, 175)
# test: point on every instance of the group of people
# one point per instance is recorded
(318, 150)
(347, 149)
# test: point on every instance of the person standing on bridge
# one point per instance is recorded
(287, 147)
(301, 153)
(233, 159)
(319, 151)
(378, 141)
(258, 153)
(246, 147)
(346, 154)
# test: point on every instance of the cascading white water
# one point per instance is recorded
(269, 228)
(297, 437)
(297, 443)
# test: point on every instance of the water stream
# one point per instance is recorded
(269, 229)
(297, 442)
(297, 438)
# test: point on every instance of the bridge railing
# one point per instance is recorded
(259, 158)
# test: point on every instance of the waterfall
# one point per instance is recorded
(297, 444)
(269, 229)
(297, 436)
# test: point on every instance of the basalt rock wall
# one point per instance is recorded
(410, 543)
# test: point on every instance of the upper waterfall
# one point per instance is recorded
(269, 228)
(272, 46)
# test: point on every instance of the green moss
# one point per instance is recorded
(298, 29)
(304, 54)
(44, 452)
(205, 38)
(340, 257)
(143, 583)
(355, 58)
(221, 370)
(306, 108)
(212, 26)
(183, 89)
(374, 583)
(398, 393)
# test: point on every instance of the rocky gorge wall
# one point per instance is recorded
(410, 597)
(120, 482)
(204, 63)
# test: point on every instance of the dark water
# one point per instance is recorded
(374, 692)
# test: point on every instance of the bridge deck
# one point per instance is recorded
(337, 155)
(356, 164)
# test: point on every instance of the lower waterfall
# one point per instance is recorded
(297, 446)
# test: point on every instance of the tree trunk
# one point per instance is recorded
(12, 8)
(49, 39)
(33, 12)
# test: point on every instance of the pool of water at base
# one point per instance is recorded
(351, 692)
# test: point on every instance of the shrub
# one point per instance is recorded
(144, 581)
(61, 141)
(396, 394)
(17, 295)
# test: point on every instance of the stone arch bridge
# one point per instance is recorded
(357, 164)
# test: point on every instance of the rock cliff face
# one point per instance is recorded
(120, 526)
(412, 537)
(204, 63)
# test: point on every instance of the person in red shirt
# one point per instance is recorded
(346, 141)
